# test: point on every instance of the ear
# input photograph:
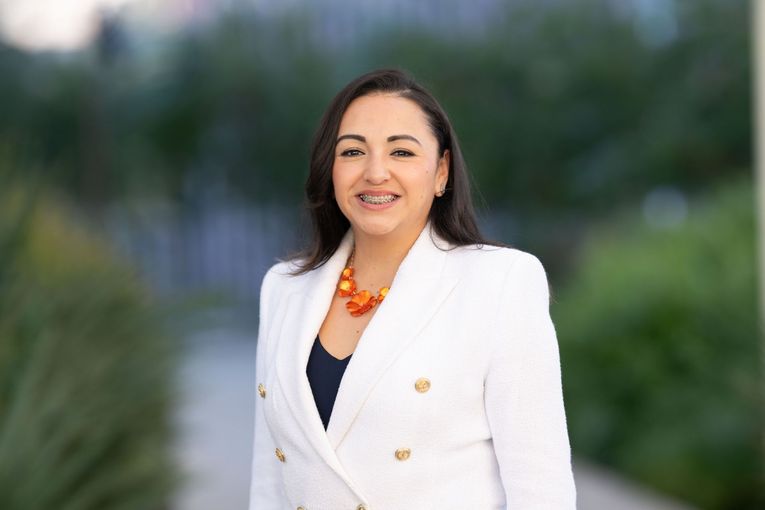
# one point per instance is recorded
(442, 172)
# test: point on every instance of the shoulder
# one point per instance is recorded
(281, 270)
(496, 263)
(512, 277)
(278, 279)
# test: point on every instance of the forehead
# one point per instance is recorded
(384, 113)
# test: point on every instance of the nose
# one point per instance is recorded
(376, 171)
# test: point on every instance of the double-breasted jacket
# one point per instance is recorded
(452, 399)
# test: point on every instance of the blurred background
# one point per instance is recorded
(152, 160)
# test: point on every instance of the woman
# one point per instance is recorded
(401, 362)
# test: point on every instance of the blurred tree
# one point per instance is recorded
(86, 369)
(660, 349)
(566, 111)
(561, 106)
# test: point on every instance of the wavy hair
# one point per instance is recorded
(452, 215)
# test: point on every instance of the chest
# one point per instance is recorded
(340, 332)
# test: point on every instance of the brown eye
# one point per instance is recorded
(402, 152)
(349, 151)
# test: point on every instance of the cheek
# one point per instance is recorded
(337, 180)
(421, 187)
(342, 183)
(426, 182)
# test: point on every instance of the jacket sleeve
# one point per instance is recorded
(524, 398)
(266, 492)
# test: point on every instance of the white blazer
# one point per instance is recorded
(486, 431)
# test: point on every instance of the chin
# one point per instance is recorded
(375, 227)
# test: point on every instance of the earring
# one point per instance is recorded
(441, 193)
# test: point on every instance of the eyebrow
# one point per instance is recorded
(391, 138)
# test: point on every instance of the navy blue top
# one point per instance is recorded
(324, 374)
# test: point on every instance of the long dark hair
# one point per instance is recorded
(452, 215)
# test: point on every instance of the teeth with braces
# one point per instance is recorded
(378, 199)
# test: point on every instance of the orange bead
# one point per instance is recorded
(365, 307)
(346, 288)
(362, 297)
(362, 301)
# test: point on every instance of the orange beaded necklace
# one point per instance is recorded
(361, 301)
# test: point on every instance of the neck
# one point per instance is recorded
(381, 255)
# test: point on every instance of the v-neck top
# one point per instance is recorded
(324, 373)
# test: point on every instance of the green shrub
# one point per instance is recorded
(661, 352)
(86, 370)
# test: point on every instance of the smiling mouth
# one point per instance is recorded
(378, 199)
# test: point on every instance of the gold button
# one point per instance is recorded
(262, 390)
(301, 508)
(422, 384)
(361, 507)
(403, 453)
(279, 455)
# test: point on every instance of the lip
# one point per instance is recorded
(377, 192)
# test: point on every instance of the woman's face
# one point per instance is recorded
(387, 167)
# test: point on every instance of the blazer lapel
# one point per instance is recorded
(419, 287)
(308, 306)
(417, 290)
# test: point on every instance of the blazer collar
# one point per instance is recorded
(422, 282)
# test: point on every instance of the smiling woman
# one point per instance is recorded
(374, 170)
(403, 361)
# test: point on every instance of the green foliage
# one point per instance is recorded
(86, 369)
(559, 105)
(567, 111)
(661, 352)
